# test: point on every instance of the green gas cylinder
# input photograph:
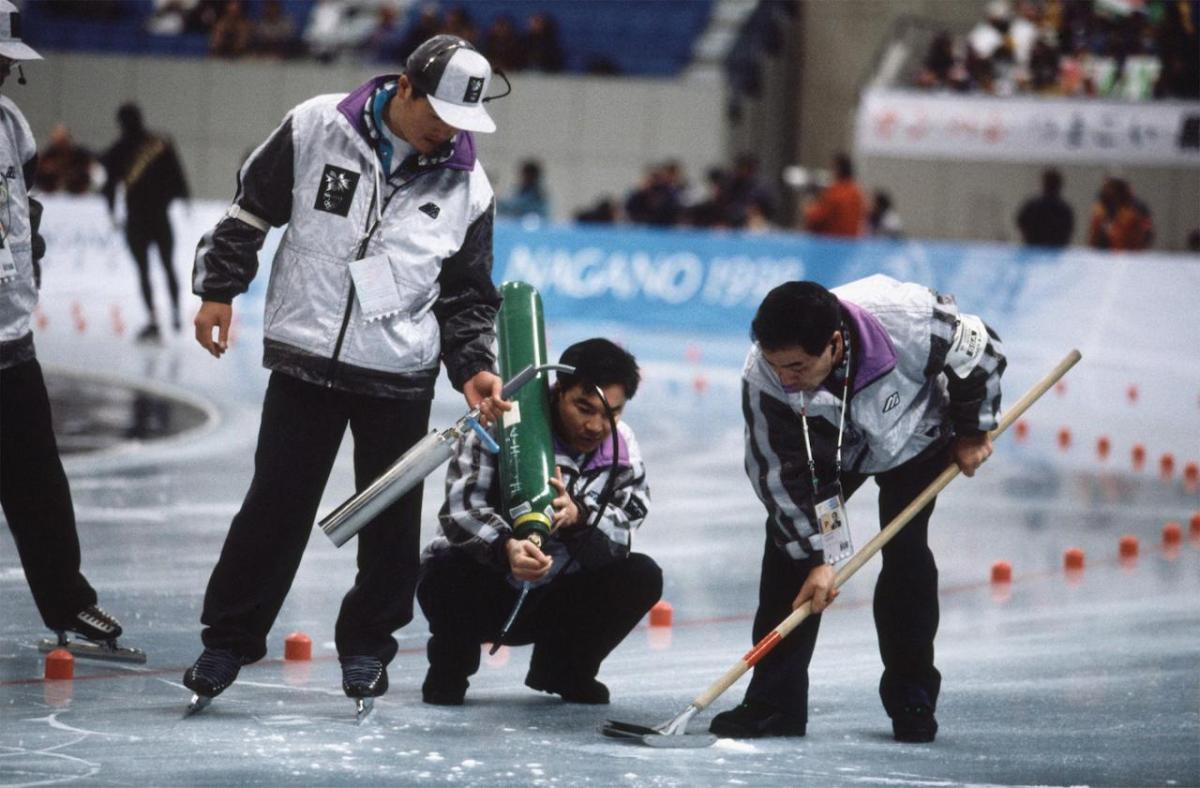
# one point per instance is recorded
(526, 440)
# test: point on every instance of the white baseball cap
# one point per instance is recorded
(11, 45)
(455, 77)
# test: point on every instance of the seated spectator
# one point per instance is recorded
(605, 211)
(459, 23)
(428, 25)
(543, 50)
(231, 32)
(169, 17)
(745, 187)
(655, 201)
(502, 46)
(713, 210)
(274, 34)
(884, 221)
(840, 209)
(63, 165)
(387, 37)
(1120, 221)
(202, 15)
(1047, 220)
(529, 197)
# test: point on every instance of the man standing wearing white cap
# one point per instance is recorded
(34, 492)
(384, 270)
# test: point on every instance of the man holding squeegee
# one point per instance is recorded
(876, 378)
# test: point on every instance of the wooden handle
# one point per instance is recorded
(797, 616)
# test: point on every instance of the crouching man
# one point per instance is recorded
(588, 589)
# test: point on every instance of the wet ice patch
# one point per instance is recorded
(434, 756)
(733, 745)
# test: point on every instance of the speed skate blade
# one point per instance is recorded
(199, 703)
(88, 649)
(362, 709)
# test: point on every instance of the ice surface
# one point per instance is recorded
(1055, 680)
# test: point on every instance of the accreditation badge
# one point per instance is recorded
(378, 296)
(8, 266)
(835, 525)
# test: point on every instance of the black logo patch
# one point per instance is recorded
(892, 401)
(474, 88)
(337, 190)
(430, 209)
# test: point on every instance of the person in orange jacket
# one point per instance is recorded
(840, 209)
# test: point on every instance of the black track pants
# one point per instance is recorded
(905, 607)
(37, 499)
(141, 231)
(573, 622)
(302, 427)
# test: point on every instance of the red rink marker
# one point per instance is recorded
(1172, 534)
(1022, 428)
(60, 664)
(1064, 438)
(1103, 446)
(297, 646)
(1073, 559)
(1002, 572)
(1166, 465)
(661, 614)
(1131, 394)
(1128, 546)
(1138, 456)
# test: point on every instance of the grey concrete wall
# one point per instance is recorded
(593, 135)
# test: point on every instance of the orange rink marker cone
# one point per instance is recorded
(1001, 572)
(297, 646)
(661, 614)
(1103, 446)
(1191, 474)
(1064, 438)
(1022, 428)
(1132, 394)
(1166, 465)
(1073, 558)
(1172, 534)
(1128, 546)
(1194, 525)
(1138, 455)
(60, 664)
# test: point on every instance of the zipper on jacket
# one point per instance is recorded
(331, 375)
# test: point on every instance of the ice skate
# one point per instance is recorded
(364, 679)
(212, 674)
(149, 335)
(98, 632)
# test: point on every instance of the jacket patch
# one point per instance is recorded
(430, 209)
(892, 401)
(337, 190)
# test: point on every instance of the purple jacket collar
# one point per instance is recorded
(602, 457)
(874, 353)
(352, 108)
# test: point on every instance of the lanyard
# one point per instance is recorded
(812, 465)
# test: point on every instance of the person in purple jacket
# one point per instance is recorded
(876, 378)
(382, 276)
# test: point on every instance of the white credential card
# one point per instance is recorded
(375, 288)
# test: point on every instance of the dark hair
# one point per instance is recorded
(802, 314)
(842, 166)
(601, 363)
(1052, 181)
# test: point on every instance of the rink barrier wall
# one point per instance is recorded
(679, 280)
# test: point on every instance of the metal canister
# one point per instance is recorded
(526, 439)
